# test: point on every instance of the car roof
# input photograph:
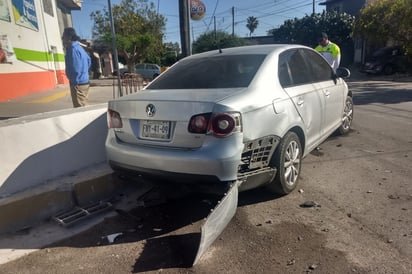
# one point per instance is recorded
(254, 49)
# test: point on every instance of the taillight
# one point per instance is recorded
(216, 124)
(113, 119)
(199, 123)
(224, 124)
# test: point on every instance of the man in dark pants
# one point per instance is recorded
(77, 67)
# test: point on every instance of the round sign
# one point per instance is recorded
(197, 10)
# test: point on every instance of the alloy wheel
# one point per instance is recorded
(292, 163)
(347, 115)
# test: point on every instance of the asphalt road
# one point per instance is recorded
(362, 224)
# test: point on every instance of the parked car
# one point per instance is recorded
(246, 113)
(148, 71)
(123, 71)
(387, 60)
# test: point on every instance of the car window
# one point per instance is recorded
(284, 70)
(220, 71)
(319, 69)
(140, 66)
(297, 70)
(395, 52)
(151, 67)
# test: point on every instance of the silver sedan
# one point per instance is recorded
(246, 113)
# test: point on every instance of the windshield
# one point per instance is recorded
(228, 71)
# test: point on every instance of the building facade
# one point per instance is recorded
(351, 7)
(30, 33)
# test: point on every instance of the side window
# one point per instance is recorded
(298, 69)
(292, 69)
(319, 69)
(283, 70)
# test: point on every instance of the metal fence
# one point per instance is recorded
(131, 83)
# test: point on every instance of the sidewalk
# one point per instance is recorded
(101, 91)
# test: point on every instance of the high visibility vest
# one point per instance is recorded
(331, 53)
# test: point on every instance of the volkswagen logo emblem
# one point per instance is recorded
(150, 110)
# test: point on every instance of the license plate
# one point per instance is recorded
(156, 129)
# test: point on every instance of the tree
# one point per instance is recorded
(305, 31)
(215, 40)
(139, 31)
(170, 53)
(252, 24)
(386, 20)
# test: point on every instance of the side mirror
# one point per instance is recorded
(342, 72)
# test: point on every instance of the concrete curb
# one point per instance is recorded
(50, 163)
(28, 208)
(44, 232)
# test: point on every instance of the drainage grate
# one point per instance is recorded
(79, 213)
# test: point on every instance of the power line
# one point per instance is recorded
(262, 11)
(270, 9)
(213, 15)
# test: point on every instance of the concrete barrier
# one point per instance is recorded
(46, 155)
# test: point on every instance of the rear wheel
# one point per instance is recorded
(287, 160)
(388, 69)
(347, 117)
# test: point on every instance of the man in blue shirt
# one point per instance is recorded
(77, 67)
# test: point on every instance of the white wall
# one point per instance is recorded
(38, 148)
(39, 40)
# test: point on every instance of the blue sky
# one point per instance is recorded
(270, 14)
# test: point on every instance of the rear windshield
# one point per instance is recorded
(229, 71)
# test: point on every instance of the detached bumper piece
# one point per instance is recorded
(79, 213)
(218, 219)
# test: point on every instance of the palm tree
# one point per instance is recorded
(252, 24)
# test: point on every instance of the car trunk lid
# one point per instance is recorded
(161, 117)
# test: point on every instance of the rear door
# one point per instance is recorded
(331, 90)
(296, 81)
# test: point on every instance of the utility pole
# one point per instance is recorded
(214, 26)
(233, 21)
(184, 27)
(313, 7)
(116, 58)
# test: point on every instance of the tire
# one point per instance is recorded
(347, 117)
(287, 159)
(388, 69)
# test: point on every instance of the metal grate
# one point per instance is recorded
(79, 213)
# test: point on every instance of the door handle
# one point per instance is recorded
(300, 101)
(326, 92)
